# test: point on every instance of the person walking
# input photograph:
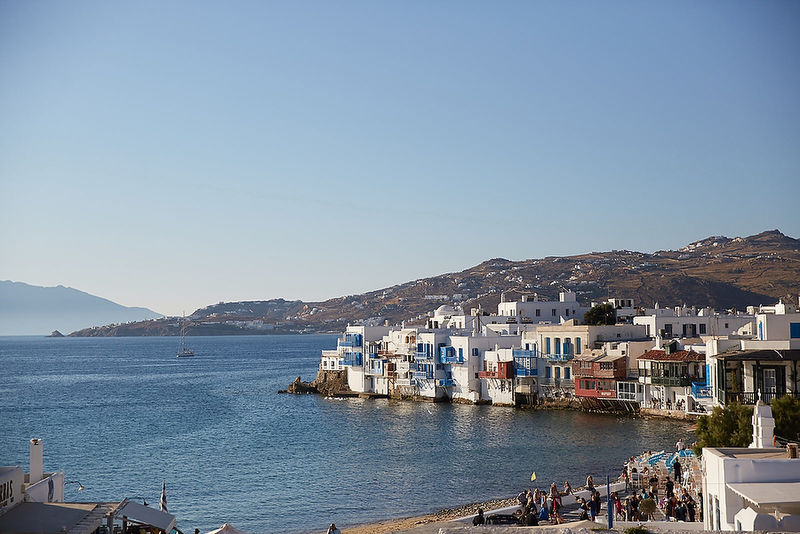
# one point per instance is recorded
(678, 471)
(670, 486)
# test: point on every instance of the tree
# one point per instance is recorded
(731, 426)
(600, 315)
(786, 411)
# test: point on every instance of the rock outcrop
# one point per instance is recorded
(328, 383)
(331, 383)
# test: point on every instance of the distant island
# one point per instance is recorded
(718, 271)
(35, 310)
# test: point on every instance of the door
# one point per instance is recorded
(770, 382)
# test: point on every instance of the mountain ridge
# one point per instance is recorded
(27, 309)
(716, 271)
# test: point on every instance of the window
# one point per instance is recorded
(566, 313)
(554, 312)
(702, 328)
(538, 312)
(567, 372)
(547, 371)
(547, 345)
(558, 373)
(461, 354)
(794, 330)
(577, 345)
(557, 342)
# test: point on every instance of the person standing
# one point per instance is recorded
(678, 471)
(670, 486)
(478, 519)
(333, 530)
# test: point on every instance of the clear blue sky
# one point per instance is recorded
(176, 154)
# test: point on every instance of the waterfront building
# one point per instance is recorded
(765, 365)
(668, 375)
(559, 344)
(596, 377)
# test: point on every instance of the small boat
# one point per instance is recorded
(183, 351)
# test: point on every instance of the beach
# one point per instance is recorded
(415, 523)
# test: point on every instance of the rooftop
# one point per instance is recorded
(677, 356)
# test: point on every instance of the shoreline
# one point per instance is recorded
(447, 514)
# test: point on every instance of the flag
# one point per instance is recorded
(533, 477)
(164, 496)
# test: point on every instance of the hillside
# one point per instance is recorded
(718, 271)
(35, 310)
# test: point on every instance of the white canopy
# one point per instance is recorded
(146, 515)
(227, 528)
(783, 496)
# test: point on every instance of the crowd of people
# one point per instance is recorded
(639, 502)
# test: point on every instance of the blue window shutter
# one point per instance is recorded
(577, 345)
(794, 330)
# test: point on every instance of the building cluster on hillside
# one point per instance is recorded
(680, 358)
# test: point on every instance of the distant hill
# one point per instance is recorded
(34, 310)
(718, 271)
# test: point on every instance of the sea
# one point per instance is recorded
(121, 416)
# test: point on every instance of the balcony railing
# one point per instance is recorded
(421, 375)
(675, 381)
(350, 359)
(701, 390)
(419, 355)
(750, 397)
(445, 382)
(559, 382)
(451, 359)
(558, 357)
(487, 374)
(522, 353)
(524, 371)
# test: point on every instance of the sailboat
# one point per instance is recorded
(183, 351)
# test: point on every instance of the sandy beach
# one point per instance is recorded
(409, 523)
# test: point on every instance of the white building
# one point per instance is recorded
(685, 322)
(34, 503)
(755, 488)
(741, 369)
(535, 310)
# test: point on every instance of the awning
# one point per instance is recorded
(147, 516)
(783, 496)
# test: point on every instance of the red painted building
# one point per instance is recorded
(596, 376)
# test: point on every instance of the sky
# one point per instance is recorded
(173, 155)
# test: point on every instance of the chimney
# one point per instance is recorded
(791, 450)
(37, 464)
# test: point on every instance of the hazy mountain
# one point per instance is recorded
(33, 310)
(717, 271)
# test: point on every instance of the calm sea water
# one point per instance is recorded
(122, 414)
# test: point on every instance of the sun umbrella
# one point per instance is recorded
(227, 528)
